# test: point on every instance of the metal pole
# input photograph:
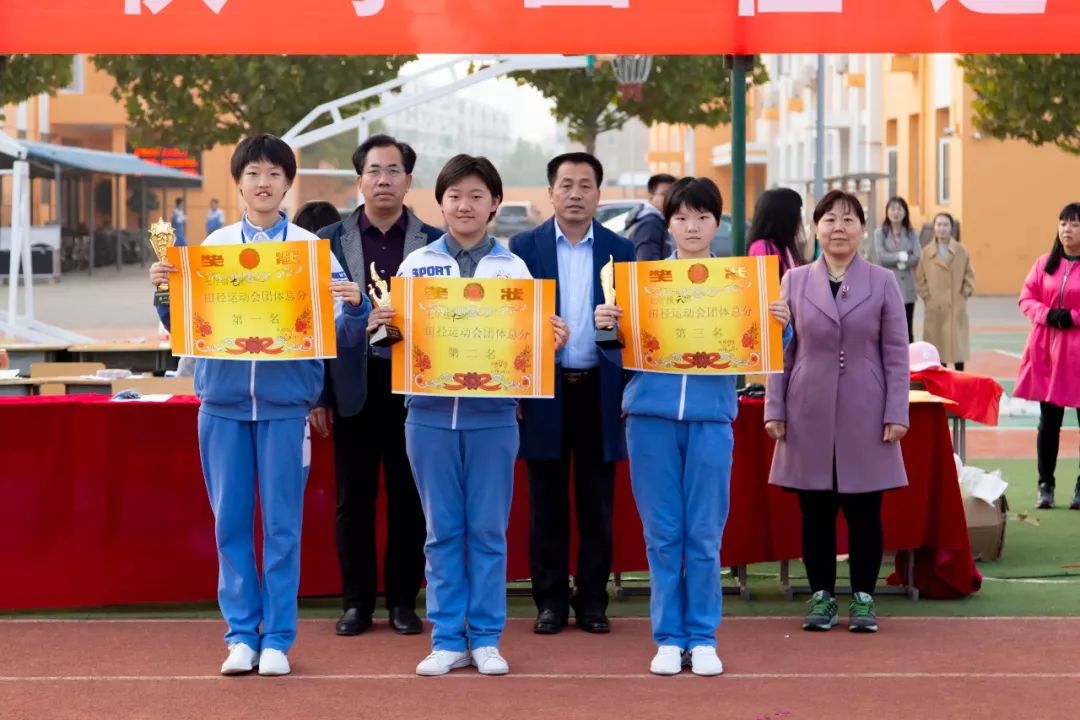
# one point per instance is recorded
(58, 217)
(93, 208)
(362, 134)
(116, 219)
(143, 225)
(819, 150)
(739, 66)
(14, 246)
(22, 170)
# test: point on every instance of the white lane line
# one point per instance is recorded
(560, 676)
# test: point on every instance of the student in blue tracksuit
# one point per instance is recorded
(462, 450)
(253, 432)
(680, 443)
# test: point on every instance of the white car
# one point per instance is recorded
(611, 213)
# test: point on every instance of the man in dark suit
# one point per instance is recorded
(582, 424)
(368, 421)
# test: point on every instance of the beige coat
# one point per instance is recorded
(944, 285)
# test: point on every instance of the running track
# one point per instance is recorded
(913, 668)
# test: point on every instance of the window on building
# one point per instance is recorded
(943, 173)
(78, 76)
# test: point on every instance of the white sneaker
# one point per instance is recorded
(242, 659)
(488, 661)
(704, 661)
(669, 660)
(273, 662)
(440, 662)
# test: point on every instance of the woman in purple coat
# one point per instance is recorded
(840, 408)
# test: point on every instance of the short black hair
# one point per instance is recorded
(179, 202)
(696, 194)
(316, 214)
(408, 155)
(462, 166)
(659, 179)
(839, 197)
(263, 148)
(576, 158)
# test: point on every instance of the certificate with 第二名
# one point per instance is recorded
(474, 337)
(253, 301)
(707, 316)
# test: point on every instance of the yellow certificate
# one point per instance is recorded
(482, 337)
(256, 301)
(700, 316)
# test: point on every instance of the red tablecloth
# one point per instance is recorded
(977, 397)
(104, 503)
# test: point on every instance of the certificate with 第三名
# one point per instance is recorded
(708, 316)
(253, 301)
(466, 337)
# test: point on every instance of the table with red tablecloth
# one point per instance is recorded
(103, 503)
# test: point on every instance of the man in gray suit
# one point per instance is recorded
(366, 419)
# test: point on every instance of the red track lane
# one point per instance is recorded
(929, 668)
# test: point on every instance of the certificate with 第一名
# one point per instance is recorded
(254, 301)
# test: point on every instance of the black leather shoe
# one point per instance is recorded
(548, 622)
(404, 621)
(594, 624)
(353, 622)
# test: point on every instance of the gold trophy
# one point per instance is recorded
(162, 237)
(379, 292)
(610, 338)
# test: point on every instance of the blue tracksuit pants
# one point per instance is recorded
(681, 472)
(466, 481)
(239, 457)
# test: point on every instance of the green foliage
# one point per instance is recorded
(24, 76)
(695, 90)
(195, 102)
(1034, 98)
(525, 165)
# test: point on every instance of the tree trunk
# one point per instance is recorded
(587, 131)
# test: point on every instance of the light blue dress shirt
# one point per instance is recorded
(576, 299)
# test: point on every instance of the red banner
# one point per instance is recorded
(537, 26)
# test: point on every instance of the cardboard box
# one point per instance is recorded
(986, 527)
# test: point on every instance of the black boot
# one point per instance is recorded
(1075, 504)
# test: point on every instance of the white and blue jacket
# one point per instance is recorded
(279, 389)
(462, 413)
(694, 398)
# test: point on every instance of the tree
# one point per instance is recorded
(524, 166)
(195, 102)
(681, 89)
(1035, 98)
(24, 76)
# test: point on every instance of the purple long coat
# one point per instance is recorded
(846, 375)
